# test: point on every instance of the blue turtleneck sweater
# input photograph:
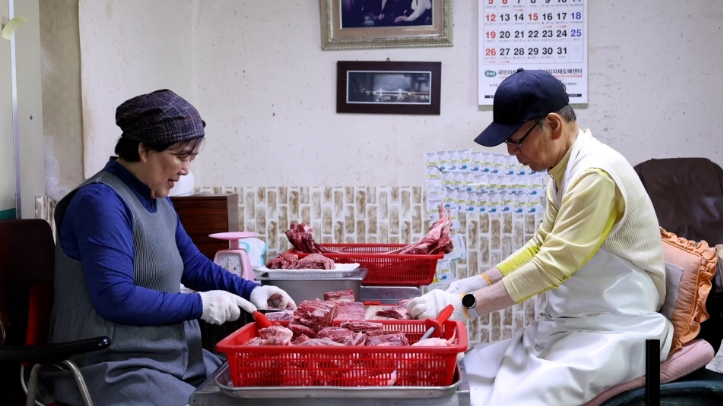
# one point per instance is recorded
(98, 231)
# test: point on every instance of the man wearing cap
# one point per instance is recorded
(597, 254)
(121, 256)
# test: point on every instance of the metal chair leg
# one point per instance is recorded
(80, 381)
(652, 372)
(32, 385)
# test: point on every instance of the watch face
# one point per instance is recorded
(468, 300)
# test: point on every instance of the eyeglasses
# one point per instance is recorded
(518, 143)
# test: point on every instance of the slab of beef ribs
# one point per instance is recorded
(316, 314)
(340, 296)
(300, 329)
(350, 311)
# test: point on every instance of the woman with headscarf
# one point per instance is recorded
(121, 255)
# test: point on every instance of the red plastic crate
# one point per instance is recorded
(385, 269)
(253, 366)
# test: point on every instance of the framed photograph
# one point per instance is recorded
(360, 24)
(388, 87)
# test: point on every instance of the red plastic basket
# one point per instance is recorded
(385, 269)
(253, 366)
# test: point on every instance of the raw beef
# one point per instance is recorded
(362, 325)
(300, 329)
(349, 311)
(285, 260)
(395, 340)
(433, 342)
(394, 312)
(340, 296)
(436, 241)
(280, 316)
(274, 335)
(404, 302)
(316, 314)
(342, 335)
(301, 238)
(300, 339)
(315, 261)
(374, 333)
(318, 342)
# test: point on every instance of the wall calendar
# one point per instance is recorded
(533, 34)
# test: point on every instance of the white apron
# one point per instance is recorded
(591, 337)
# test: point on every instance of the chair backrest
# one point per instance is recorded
(27, 257)
(687, 194)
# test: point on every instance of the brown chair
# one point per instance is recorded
(27, 257)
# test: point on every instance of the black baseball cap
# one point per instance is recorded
(525, 95)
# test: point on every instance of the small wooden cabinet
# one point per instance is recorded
(202, 215)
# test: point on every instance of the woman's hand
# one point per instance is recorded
(267, 296)
(220, 306)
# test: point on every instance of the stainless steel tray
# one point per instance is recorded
(358, 273)
(223, 380)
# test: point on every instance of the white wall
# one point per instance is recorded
(30, 113)
(256, 72)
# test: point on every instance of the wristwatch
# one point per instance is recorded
(469, 302)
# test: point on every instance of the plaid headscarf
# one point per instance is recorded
(161, 117)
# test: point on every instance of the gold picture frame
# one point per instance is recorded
(366, 31)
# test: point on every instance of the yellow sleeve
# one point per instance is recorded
(532, 247)
(589, 210)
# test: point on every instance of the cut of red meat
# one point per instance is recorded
(300, 329)
(436, 241)
(350, 311)
(276, 335)
(300, 339)
(316, 314)
(315, 261)
(280, 316)
(340, 296)
(394, 312)
(318, 342)
(404, 302)
(285, 260)
(362, 325)
(395, 340)
(433, 342)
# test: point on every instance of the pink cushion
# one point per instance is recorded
(693, 356)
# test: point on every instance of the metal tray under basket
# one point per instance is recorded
(223, 380)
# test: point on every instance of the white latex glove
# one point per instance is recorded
(468, 285)
(268, 296)
(220, 306)
(430, 305)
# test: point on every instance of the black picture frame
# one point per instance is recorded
(401, 87)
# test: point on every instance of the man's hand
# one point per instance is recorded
(468, 285)
(430, 305)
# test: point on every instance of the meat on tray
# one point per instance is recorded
(350, 311)
(287, 260)
(317, 342)
(316, 314)
(340, 296)
(436, 241)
